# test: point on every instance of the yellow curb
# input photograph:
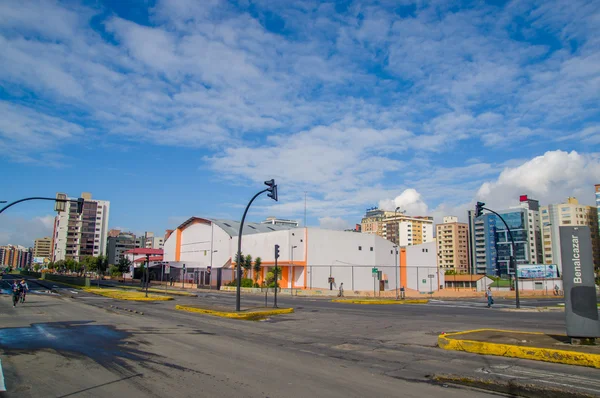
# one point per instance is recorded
(128, 296)
(514, 351)
(251, 315)
(375, 301)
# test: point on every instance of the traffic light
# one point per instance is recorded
(80, 202)
(479, 209)
(272, 189)
(276, 251)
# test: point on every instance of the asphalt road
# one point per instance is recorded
(77, 345)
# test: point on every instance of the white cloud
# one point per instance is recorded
(335, 223)
(21, 231)
(549, 178)
(410, 201)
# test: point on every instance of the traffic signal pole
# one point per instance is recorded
(35, 198)
(513, 257)
(273, 195)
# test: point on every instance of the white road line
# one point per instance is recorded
(2, 385)
(595, 390)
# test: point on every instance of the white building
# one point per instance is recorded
(149, 241)
(308, 256)
(79, 235)
(422, 273)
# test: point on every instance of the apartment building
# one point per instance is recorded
(452, 246)
(372, 222)
(43, 247)
(149, 241)
(397, 227)
(491, 247)
(118, 245)
(15, 256)
(569, 213)
(597, 186)
(79, 235)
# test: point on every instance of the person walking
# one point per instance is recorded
(490, 299)
(341, 293)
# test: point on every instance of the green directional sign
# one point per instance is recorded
(374, 271)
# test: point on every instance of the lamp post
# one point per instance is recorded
(291, 277)
(478, 212)
(396, 250)
(397, 284)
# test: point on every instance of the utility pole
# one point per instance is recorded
(276, 281)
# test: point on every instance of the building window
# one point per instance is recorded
(359, 247)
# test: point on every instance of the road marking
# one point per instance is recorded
(595, 390)
(2, 385)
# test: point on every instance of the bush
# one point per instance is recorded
(113, 270)
(246, 282)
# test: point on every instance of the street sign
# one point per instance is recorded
(167, 269)
(431, 276)
(424, 280)
(374, 271)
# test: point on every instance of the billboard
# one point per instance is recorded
(39, 260)
(542, 271)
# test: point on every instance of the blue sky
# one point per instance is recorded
(177, 108)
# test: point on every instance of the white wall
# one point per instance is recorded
(421, 262)
(196, 243)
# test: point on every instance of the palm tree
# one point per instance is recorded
(256, 269)
(247, 265)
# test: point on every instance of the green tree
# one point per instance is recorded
(256, 269)
(36, 267)
(72, 265)
(270, 278)
(123, 265)
(101, 264)
(114, 271)
(247, 265)
(450, 272)
(90, 263)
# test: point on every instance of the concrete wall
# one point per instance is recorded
(422, 272)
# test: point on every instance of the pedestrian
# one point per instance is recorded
(341, 293)
(556, 289)
(490, 299)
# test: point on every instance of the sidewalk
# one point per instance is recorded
(526, 345)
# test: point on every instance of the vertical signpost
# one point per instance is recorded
(581, 310)
(183, 279)
(375, 273)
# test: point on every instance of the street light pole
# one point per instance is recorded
(397, 284)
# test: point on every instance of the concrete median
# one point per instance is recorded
(526, 345)
(251, 314)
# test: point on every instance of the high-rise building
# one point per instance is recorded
(491, 247)
(452, 245)
(570, 213)
(597, 186)
(280, 221)
(372, 222)
(15, 256)
(118, 245)
(149, 241)
(43, 247)
(397, 227)
(79, 235)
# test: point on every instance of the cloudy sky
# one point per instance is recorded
(174, 108)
